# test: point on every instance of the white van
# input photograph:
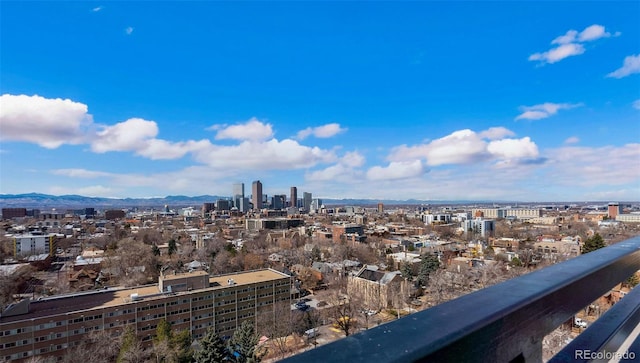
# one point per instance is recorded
(311, 333)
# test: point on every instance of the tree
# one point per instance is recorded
(212, 349)
(407, 271)
(130, 350)
(632, 281)
(173, 247)
(593, 243)
(343, 312)
(277, 324)
(244, 344)
(429, 264)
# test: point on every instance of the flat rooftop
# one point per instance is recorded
(63, 304)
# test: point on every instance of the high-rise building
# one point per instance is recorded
(306, 201)
(278, 201)
(316, 204)
(238, 196)
(208, 208)
(293, 202)
(256, 194)
(614, 210)
(238, 190)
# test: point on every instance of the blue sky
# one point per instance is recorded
(528, 101)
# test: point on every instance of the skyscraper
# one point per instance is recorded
(306, 201)
(238, 190)
(293, 202)
(238, 196)
(256, 194)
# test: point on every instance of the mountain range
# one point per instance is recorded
(47, 201)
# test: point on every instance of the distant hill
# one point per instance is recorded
(44, 201)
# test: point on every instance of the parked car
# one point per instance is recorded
(579, 323)
(301, 305)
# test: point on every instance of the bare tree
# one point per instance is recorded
(343, 312)
(278, 325)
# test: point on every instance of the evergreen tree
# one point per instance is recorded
(244, 344)
(632, 281)
(173, 247)
(130, 346)
(429, 264)
(212, 349)
(407, 271)
(163, 331)
(593, 243)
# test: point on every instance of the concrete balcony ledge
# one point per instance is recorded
(505, 322)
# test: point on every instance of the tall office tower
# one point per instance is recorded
(256, 194)
(278, 201)
(613, 210)
(238, 190)
(293, 202)
(238, 194)
(306, 201)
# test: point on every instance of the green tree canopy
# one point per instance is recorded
(407, 271)
(244, 344)
(429, 264)
(593, 243)
(212, 349)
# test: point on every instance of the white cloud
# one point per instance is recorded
(570, 44)
(324, 131)
(510, 149)
(467, 147)
(46, 122)
(494, 133)
(353, 159)
(129, 135)
(572, 140)
(397, 170)
(81, 173)
(128, 30)
(630, 66)
(97, 8)
(253, 129)
(346, 170)
(156, 149)
(272, 154)
(601, 166)
(334, 172)
(557, 54)
(460, 147)
(636, 104)
(544, 110)
(138, 135)
(593, 32)
(569, 37)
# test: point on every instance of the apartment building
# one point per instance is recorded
(189, 301)
(34, 243)
(519, 213)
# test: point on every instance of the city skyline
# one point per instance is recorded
(431, 101)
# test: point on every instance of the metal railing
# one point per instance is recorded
(508, 321)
